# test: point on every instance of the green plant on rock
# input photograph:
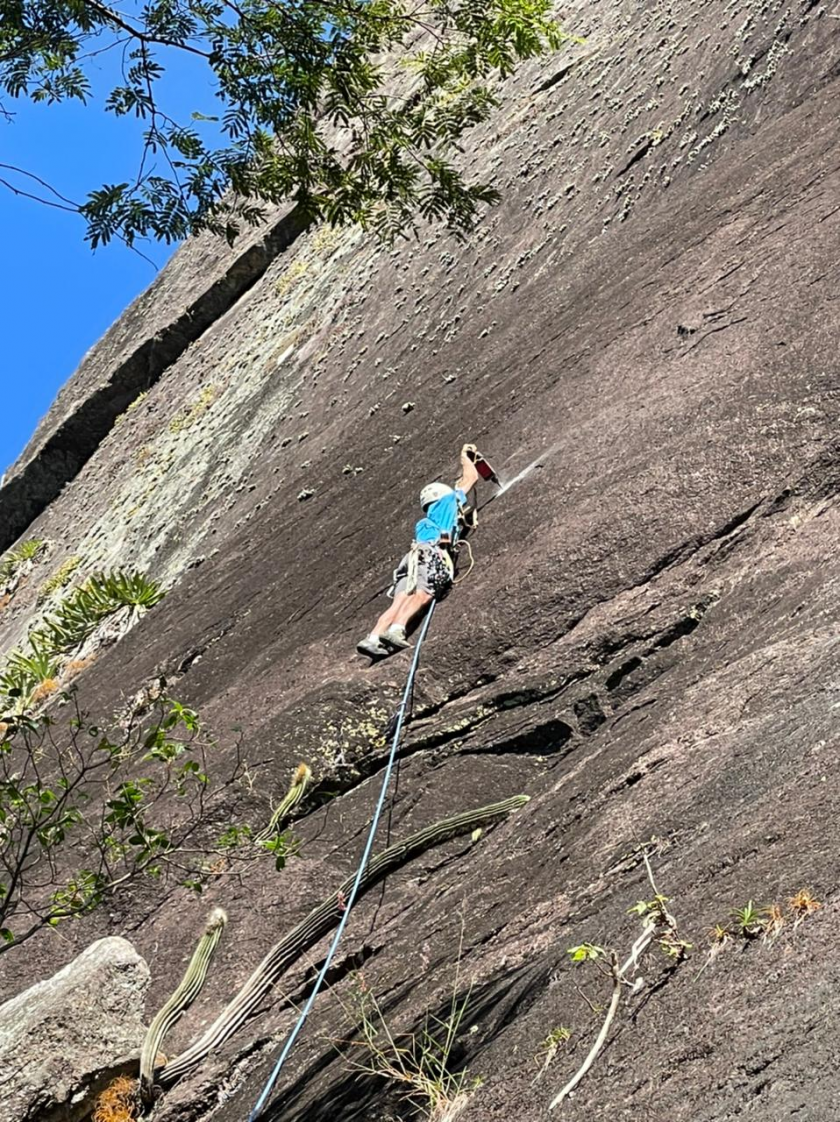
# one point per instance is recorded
(123, 587)
(24, 672)
(78, 615)
(233, 836)
(586, 952)
(59, 579)
(291, 948)
(550, 1046)
(185, 994)
(16, 558)
(555, 1038)
(297, 789)
(86, 813)
(282, 847)
(749, 921)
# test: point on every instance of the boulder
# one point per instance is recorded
(63, 1039)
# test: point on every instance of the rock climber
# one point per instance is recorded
(427, 570)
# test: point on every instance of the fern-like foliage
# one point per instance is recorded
(79, 614)
(74, 620)
(126, 587)
(24, 671)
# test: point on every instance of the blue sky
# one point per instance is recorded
(58, 297)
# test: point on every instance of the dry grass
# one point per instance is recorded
(43, 690)
(118, 1102)
(417, 1064)
(802, 905)
(75, 666)
(774, 921)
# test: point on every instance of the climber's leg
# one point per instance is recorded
(391, 614)
(413, 605)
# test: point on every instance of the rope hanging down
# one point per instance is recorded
(377, 814)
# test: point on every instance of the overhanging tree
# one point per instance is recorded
(352, 109)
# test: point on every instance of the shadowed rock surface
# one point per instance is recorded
(648, 643)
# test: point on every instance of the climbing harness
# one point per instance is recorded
(377, 814)
(440, 568)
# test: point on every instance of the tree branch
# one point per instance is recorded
(142, 36)
(65, 204)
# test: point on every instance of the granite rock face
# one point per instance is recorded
(65, 1038)
(648, 642)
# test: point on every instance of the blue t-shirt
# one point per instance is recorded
(441, 518)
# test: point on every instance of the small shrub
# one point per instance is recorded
(658, 928)
(87, 812)
(557, 1036)
(719, 935)
(551, 1045)
(586, 952)
(283, 846)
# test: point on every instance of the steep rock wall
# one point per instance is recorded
(647, 645)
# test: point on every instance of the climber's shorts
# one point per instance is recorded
(434, 575)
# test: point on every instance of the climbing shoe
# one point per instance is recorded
(394, 638)
(371, 647)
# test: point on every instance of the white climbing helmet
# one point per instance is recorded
(432, 492)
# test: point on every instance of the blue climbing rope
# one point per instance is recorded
(377, 814)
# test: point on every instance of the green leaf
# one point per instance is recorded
(585, 952)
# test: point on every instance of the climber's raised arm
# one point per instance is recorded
(469, 472)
